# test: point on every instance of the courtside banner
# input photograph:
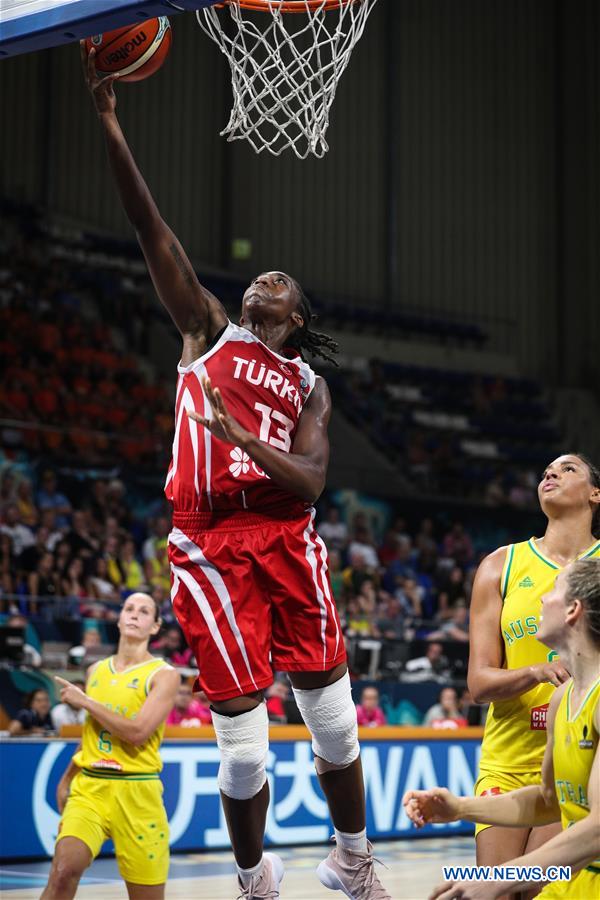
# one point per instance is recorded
(30, 770)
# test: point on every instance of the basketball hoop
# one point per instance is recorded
(285, 69)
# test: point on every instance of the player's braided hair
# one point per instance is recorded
(583, 583)
(303, 338)
(595, 480)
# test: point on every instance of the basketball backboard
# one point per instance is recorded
(27, 25)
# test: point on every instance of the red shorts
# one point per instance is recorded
(252, 595)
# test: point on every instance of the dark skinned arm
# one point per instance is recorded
(195, 311)
(487, 679)
(303, 471)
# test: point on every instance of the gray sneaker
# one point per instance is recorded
(265, 885)
(353, 873)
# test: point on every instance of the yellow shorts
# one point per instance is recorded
(128, 810)
(584, 885)
(502, 783)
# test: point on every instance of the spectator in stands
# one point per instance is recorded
(65, 714)
(49, 497)
(333, 530)
(433, 665)
(389, 548)
(358, 622)
(89, 649)
(400, 567)
(48, 520)
(62, 557)
(21, 535)
(99, 585)
(72, 584)
(356, 573)
(188, 711)
(28, 512)
(156, 569)
(158, 537)
(115, 502)
(362, 545)
(173, 648)
(97, 502)
(391, 622)
(32, 554)
(425, 542)
(133, 574)
(411, 596)
(455, 587)
(446, 712)
(80, 538)
(35, 717)
(276, 695)
(113, 568)
(44, 581)
(457, 545)
(368, 712)
(456, 628)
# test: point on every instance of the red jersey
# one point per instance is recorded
(265, 392)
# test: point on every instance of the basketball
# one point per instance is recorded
(135, 52)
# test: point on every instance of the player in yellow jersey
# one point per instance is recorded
(508, 667)
(111, 788)
(570, 787)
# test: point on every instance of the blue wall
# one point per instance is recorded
(30, 770)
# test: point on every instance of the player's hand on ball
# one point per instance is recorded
(101, 89)
(435, 805)
(71, 694)
(222, 424)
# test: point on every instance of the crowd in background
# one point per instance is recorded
(90, 552)
(67, 561)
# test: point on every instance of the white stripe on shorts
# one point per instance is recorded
(311, 558)
(209, 570)
(204, 607)
(319, 541)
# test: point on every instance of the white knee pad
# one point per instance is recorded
(330, 716)
(244, 743)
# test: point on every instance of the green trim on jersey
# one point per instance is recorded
(583, 702)
(543, 558)
(508, 564)
(142, 776)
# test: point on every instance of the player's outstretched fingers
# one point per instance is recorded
(413, 810)
(192, 414)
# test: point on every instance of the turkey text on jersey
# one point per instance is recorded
(265, 392)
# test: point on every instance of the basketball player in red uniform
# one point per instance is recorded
(249, 573)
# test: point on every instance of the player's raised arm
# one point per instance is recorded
(488, 680)
(196, 312)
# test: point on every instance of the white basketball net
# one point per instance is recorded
(285, 69)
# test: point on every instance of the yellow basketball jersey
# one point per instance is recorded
(515, 730)
(124, 693)
(575, 744)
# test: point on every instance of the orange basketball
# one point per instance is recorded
(136, 52)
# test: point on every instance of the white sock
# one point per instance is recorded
(356, 842)
(247, 874)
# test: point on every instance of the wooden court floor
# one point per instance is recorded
(414, 867)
